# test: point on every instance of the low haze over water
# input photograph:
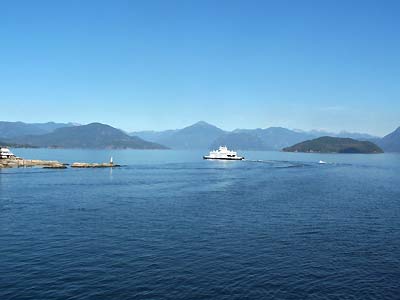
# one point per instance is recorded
(168, 225)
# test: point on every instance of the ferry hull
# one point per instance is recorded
(223, 158)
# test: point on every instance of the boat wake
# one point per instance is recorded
(280, 163)
(292, 164)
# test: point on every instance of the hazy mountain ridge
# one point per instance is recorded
(239, 141)
(51, 126)
(94, 135)
(343, 134)
(197, 136)
(16, 129)
(200, 135)
(153, 136)
(276, 138)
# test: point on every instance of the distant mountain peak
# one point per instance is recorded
(277, 127)
(95, 124)
(196, 136)
(203, 124)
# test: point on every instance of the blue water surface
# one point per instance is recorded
(168, 225)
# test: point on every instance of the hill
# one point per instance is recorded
(391, 142)
(94, 135)
(15, 129)
(328, 144)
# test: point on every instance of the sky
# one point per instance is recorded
(141, 65)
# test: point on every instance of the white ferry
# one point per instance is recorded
(224, 154)
(6, 153)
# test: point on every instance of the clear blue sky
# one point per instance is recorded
(166, 64)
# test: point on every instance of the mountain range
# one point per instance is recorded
(197, 136)
(200, 135)
(94, 135)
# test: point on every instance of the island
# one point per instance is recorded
(327, 144)
(94, 165)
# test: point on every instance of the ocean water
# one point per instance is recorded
(168, 225)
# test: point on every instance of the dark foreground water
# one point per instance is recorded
(171, 226)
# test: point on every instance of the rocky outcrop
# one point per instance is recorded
(16, 162)
(93, 165)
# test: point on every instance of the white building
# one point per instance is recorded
(5, 153)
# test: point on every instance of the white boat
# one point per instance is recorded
(223, 154)
(5, 153)
(322, 162)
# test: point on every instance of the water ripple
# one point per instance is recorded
(253, 230)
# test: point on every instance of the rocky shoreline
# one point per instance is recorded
(17, 162)
(93, 165)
